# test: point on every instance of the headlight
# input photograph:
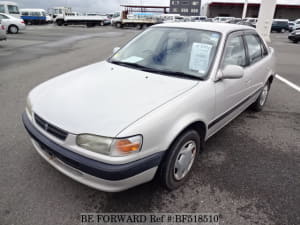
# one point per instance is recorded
(29, 106)
(110, 146)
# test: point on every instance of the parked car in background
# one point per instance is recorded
(10, 8)
(198, 18)
(34, 16)
(234, 21)
(246, 23)
(222, 19)
(280, 25)
(294, 36)
(190, 80)
(13, 24)
(297, 25)
(291, 26)
(49, 18)
(2, 32)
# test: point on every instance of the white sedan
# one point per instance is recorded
(13, 24)
(149, 108)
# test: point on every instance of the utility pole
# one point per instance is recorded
(245, 9)
(265, 18)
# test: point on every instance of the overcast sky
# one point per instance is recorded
(87, 5)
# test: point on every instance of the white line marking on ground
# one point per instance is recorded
(287, 82)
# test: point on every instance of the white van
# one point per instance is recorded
(10, 8)
(34, 16)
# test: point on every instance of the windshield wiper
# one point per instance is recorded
(135, 65)
(159, 71)
(181, 74)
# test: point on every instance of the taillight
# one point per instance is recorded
(22, 21)
(3, 27)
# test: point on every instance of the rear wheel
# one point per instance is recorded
(101, 23)
(59, 22)
(282, 30)
(118, 25)
(180, 158)
(139, 26)
(13, 29)
(262, 98)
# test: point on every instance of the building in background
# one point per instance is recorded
(285, 9)
(185, 7)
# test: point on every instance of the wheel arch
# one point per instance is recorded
(199, 126)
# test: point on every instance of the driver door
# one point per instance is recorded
(230, 92)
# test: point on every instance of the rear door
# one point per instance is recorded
(5, 20)
(258, 63)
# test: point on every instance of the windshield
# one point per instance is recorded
(171, 51)
(13, 9)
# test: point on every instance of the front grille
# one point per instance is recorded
(51, 129)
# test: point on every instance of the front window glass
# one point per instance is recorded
(235, 53)
(13, 9)
(2, 9)
(171, 51)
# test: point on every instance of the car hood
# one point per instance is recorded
(103, 98)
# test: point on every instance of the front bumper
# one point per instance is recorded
(99, 175)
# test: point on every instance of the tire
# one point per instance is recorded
(260, 102)
(13, 29)
(139, 26)
(118, 25)
(282, 30)
(295, 41)
(101, 23)
(171, 172)
(59, 22)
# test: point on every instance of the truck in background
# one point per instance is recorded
(64, 16)
(138, 20)
(10, 8)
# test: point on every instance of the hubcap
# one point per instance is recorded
(13, 29)
(184, 160)
(263, 95)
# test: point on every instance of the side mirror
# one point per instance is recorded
(116, 49)
(231, 72)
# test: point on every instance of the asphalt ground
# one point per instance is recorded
(248, 172)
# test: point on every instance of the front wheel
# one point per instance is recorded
(180, 158)
(262, 98)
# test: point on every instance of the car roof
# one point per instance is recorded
(223, 28)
